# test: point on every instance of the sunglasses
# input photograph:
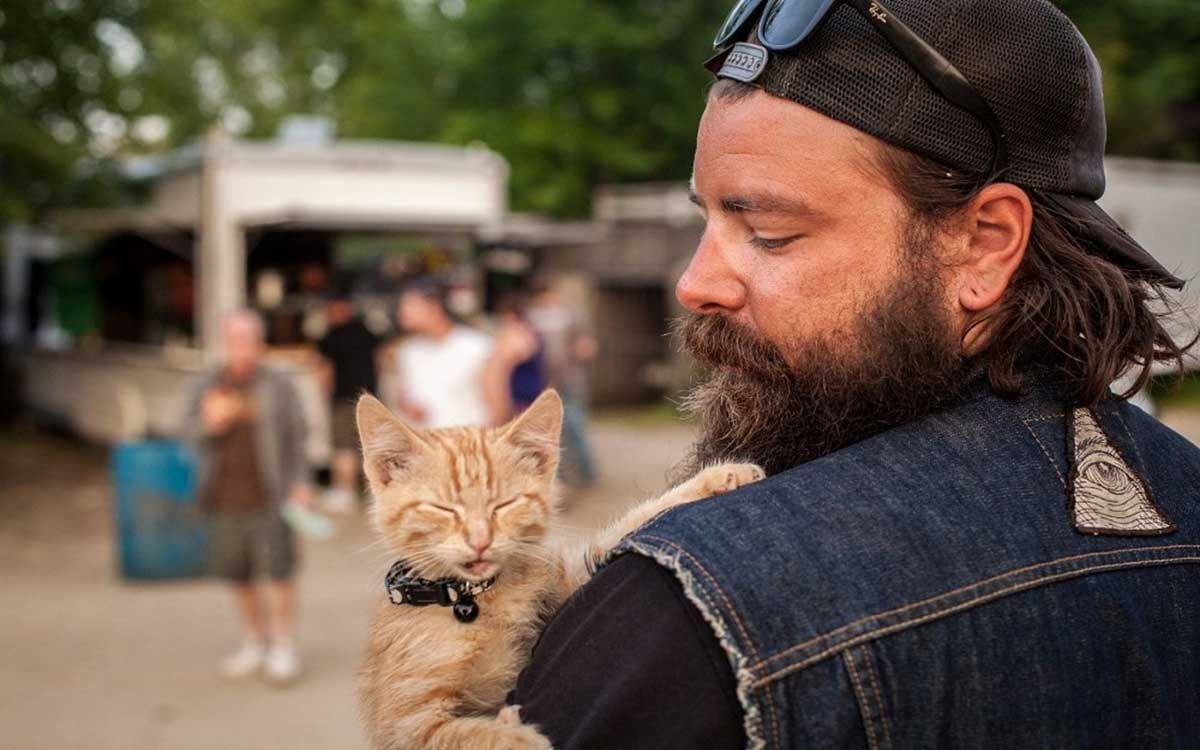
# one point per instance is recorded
(786, 23)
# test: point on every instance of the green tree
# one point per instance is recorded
(1150, 53)
(578, 93)
(575, 93)
(60, 91)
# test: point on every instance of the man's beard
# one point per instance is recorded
(902, 361)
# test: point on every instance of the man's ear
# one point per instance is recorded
(388, 445)
(536, 432)
(998, 223)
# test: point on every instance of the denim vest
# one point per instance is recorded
(926, 588)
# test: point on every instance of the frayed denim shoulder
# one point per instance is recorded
(672, 558)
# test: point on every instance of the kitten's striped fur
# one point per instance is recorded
(471, 503)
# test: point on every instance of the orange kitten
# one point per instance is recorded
(468, 512)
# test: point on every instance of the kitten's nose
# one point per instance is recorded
(480, 546)
(479, 538)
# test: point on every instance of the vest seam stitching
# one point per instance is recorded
(968, 587)
(970, 604)
(864, 709)
(1062, 480)
(1045, 417)
(1137, 452)
(869, 662)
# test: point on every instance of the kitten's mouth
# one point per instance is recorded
(480, 569)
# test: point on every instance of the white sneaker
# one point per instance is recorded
(282, 664)
(245, 662)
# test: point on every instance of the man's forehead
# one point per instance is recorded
(773, 150)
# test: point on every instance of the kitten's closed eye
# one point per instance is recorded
(507, 503)
(437, 508)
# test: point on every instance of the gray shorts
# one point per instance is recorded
(242, 545)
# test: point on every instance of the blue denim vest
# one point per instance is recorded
(926, 588)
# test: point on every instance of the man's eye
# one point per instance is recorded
(765, 243)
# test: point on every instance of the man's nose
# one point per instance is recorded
(709, 284)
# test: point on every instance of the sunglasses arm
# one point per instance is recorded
(939, 72)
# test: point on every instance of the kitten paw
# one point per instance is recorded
(510, 715)
(518, 736)
(722, 478)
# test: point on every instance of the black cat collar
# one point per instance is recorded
(404, 588)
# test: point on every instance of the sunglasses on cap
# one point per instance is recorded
(784, 24)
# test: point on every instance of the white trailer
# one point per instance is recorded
(213, 196)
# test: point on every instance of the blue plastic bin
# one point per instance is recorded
(160, 529)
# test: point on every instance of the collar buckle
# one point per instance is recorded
(421, 595)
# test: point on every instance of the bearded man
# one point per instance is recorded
(911, 309)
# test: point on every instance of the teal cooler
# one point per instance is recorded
(160, 529)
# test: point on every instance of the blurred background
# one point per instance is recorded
(163, 163)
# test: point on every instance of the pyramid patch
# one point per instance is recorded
(1106, 495)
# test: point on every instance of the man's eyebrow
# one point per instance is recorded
(767, 204)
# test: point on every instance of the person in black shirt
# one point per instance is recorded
(349, 367)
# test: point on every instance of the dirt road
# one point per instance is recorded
(91, 661)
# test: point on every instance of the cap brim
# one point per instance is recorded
(1104, 236)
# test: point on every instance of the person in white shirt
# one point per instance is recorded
(441, 363)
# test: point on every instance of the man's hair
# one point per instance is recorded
(431, 288)
(1067, 309)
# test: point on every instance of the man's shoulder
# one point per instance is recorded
(915, 523)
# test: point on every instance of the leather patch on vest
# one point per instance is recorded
(1105, 494)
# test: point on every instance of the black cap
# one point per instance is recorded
(1024, 57)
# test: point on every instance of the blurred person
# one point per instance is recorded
(350, 355)
(516, 372)
(440, 362)
(249, 438)
(569, 347)
(911, 309)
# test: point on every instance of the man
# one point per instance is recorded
(440, 363)
(349, 357)
(569, 347)
(249, 439)
(912, 309)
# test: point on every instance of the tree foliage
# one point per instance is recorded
(574, 93)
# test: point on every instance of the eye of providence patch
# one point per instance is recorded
(1106, 496)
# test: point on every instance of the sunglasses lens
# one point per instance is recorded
(786, 23)
(736, 19)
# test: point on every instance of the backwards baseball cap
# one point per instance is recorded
(1006, 86)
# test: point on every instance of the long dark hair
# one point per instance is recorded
(1067, 309)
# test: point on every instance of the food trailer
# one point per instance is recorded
(111, 313)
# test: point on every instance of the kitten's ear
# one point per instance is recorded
(388, 445)
(536, 432)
